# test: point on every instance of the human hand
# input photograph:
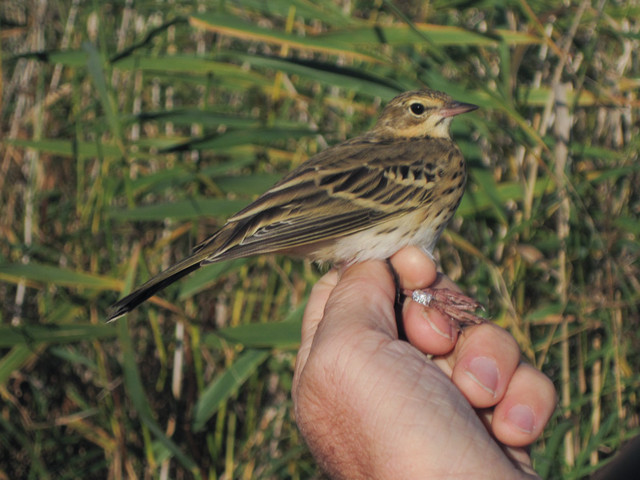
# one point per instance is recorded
(372, 406)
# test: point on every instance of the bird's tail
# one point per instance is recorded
(157, 283)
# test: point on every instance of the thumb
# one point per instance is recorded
(362, 300)
(341, 309)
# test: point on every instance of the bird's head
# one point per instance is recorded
(421, 113)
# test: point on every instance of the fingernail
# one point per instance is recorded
(484, 371)
(522, 417)
(446, 334)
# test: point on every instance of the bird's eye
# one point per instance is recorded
(417, 108)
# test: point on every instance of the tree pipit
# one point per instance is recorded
(366, 198)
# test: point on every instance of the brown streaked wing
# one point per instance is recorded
(316, 217)
(343, 190)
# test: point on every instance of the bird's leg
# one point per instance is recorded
(397, 305)
(455, 305)
(458, 307)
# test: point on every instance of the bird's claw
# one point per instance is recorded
(458, 307)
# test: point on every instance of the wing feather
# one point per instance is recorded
(341, 191)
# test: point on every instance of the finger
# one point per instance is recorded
(484, 360)
(427, 329)
(528, 403)
(313, 313)
(415, 269)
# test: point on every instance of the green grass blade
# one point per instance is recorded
(96, 70)
(134, 383)
(180, 210)
(50, 274)
(12, 361)
(233, 138)
(329, 74)
(281, 335)
(32, 335)
(225, 385)
(66, 148)
(233, 26)
(272, 335)
(202, 279)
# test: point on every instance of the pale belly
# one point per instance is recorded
(382, 241)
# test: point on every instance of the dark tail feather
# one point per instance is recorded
(154, 285)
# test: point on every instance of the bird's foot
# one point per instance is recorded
(458, 307)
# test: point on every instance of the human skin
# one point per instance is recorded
(372, 406)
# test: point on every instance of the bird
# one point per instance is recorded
(396, 185)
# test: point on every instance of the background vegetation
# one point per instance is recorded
(130, 130)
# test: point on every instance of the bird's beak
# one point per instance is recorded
(454, 108)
